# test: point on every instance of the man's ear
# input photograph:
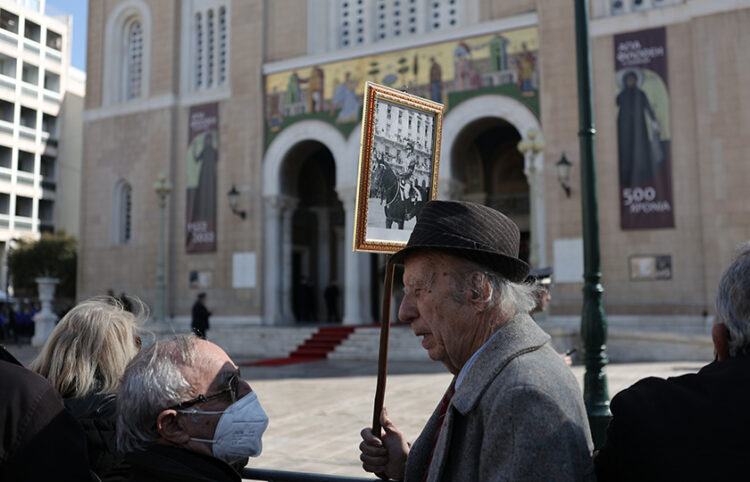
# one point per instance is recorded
(480, 290)
(170, 427)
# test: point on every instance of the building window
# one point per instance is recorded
(123, 207)
(4, 203)
(30, 74)
(28, 117)
(54, 40)
(127, 52)
(198, 51)
(6, 110)
(222, 45)
(133, 59)
(46, 216)
(24, 206)
(8, 66)
(32, 31)
(49, 125)
(26, 161)
(391, 19)
(6, 157)
(9, 21)
(210, 42)
(606, 8)
(51, 81)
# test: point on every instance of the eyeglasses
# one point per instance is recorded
(232, 387)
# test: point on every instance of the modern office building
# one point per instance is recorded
(41, 106)
(263, 99)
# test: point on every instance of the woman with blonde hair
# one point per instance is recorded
(84, 359)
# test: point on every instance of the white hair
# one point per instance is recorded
(733, 302)
(505, 297)
(153, 381)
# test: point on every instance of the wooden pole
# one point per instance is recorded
(385, 328)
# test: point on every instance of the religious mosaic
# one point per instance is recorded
(502, 63)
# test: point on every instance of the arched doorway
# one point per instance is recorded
(283, 164)
(317, 221)
(489, 127)
(486, 162)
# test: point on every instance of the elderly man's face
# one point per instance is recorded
(450, 331)
(209, 375)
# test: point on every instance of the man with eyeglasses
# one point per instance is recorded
(185, 414)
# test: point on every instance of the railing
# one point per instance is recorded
(285, 476)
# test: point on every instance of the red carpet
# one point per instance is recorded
(317, 347)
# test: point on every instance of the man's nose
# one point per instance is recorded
(407, 312)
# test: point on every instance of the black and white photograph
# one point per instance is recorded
(398, 166)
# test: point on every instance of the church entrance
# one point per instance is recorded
(487, 163)
(317, 234)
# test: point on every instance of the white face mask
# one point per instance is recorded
(239, 431)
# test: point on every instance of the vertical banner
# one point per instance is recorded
(202, 156)
(643, 130)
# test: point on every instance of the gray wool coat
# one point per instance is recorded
(518, 415)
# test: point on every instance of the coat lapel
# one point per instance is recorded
(518, 336)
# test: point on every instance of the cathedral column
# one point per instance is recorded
(532, 149)
(351, 285)
(288, 206)
(324, 257)
(277, 261)
(271, 261)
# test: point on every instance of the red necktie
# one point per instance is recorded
(441, 417)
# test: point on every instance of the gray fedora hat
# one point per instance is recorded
(469, 230)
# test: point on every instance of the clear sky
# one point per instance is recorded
(79, 10)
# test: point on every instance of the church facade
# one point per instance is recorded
(263, 99)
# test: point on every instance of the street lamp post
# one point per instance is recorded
(162, 187)
(530, 147)
(593, 319)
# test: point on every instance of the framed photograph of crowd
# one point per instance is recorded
(398, 166)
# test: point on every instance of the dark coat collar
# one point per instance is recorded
(166, 463)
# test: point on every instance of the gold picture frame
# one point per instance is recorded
(398, 166)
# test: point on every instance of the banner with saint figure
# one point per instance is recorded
(643, 130)
(202, 156)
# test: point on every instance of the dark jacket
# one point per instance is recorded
(692, 427)
(97, 415)
(162, 463)
(39, 439)
(200, 316)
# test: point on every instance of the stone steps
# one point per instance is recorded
(364, 344)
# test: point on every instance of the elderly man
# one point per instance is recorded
(692, 427)
(514, 411)
(184, 413)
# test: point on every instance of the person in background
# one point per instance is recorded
(692, 427)
(84, 359)
(186, 414)
(200, 315)
(331, 295)
(39, 439)
(541, 281)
